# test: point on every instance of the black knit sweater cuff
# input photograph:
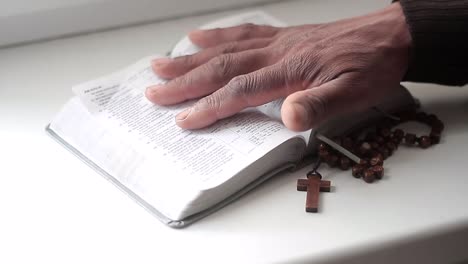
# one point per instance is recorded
(439, 29)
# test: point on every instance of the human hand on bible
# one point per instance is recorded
(323, 70)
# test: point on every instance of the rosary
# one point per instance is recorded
(365, 155)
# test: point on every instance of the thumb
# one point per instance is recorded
(306, 109)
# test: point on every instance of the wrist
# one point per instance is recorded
(400, 29)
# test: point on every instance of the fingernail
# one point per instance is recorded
(183, 115)
(161, 62)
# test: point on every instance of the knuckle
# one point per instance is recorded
(301, 67)
(300, 62)
(221, 65)
(238, 84)
(183, 81)
(247, 29)
(242, 87)
(212, 102)
(228, 48)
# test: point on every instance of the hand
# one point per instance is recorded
(323, 70)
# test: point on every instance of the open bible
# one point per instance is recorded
(180, 175)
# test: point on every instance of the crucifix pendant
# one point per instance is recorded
(313, 185)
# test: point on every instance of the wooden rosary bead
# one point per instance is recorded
(365, 148)
(345, 163)
(385, 152)
(391, 146)
(396, 141)
(322, 147)
(370, 137)
(374, 153)
(363, 162)
(399, 133)
(332, 161)
(379, 144)
(410, 138)
(379, 140)
(323, 153)
(438, 126)
(357, 171)
(424, 142)
(369, 176)
(378, 171)
(390, 152)
(377, 160)
(435, 137)
(384, 132)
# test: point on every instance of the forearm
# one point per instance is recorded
(439, 31)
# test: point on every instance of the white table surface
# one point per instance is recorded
(54, 209)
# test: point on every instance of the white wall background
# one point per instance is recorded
(29, 20)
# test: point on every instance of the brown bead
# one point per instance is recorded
(322, 147)
(378, 171)
(399, 133)
(345, 163)
(347, 143)
(424, 142)
(379, 140)
(390, 152)
(385, 152)
(357, 171)
(384, 132)
(370, 137)
(435, 137)
(410, 138)
(438, 126)
(397, 141)
(363, 162)
(377, 160)
(374, 145)
(323, 153)
(332, 161)
(374, 153)
(391, 146)
(365, 148)
(369, 176)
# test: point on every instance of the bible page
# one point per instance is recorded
(148, 153)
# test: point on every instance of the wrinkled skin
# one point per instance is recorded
(323, 70)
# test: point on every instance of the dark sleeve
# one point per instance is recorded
(439, 29)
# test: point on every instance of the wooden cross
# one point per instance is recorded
(313, 185)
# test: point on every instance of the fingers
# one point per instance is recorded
(212, 37)
(306, 109)
(170, 68)
(243, 91)
(208, 77)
